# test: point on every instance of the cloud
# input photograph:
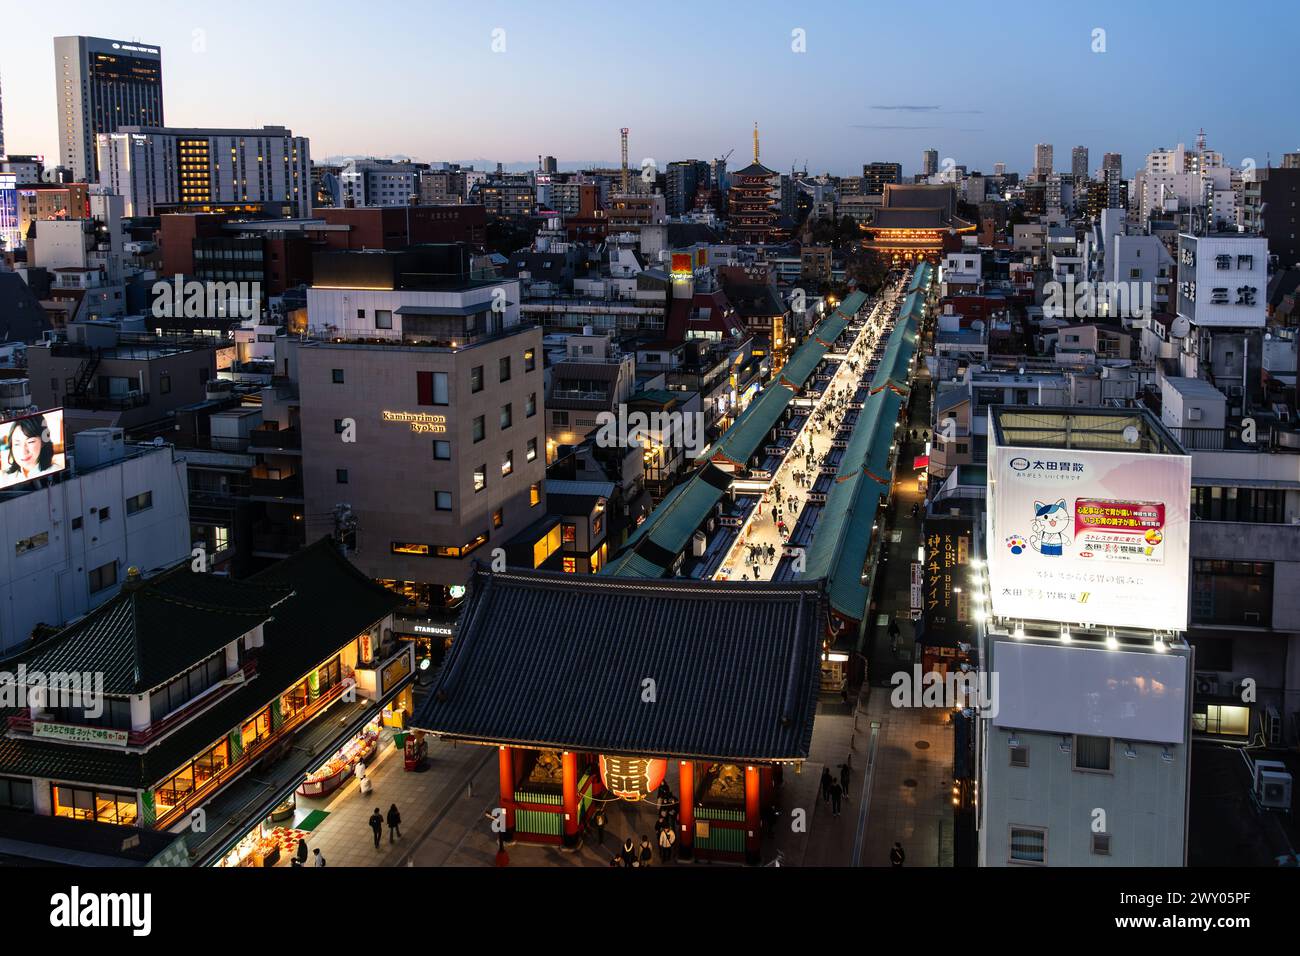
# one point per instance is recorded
(907, 108)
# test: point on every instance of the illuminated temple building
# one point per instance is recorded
(713, 690)
(753, 202)
(916, 223)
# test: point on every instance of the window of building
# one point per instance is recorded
(1232, 592)
(441, 450)
(530, 406)
(1101, 844)
(431, 388)
(105, 514)
(1019, 756)
(568, 533)
(442, 500)
(383, 318)
(1249, 505)
(534, 494)
(507, 416)
(140, 502)
(102, 577)
(76, 523)
(1027, 845)
(476, 379)
(480, 429)
(508, 463)
(341, 476)
(503, 367)
(480, 478)
(102, 806)
(16, 795)
(530, 358)
(165, 384)
(409, 547)
(361, 314)
(570, 565)
(531, 453)
(1227, 719)
(23, 545)
(561, 419)
(1091, 753)
(498, 518)
(336, 376)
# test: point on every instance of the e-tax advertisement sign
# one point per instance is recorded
(1089, 537)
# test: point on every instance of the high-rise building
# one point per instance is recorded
(1113, 161)
(101, 86)
(683, 179)
(1079, 163)
(1043, 161)
(550, 165)
(875, 176)
(203, 170)
(999, 169)
(929, 162)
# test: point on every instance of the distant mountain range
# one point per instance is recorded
(481, 163)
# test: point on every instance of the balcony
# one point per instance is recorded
(273, 483)
(22, 721)
(271, 439)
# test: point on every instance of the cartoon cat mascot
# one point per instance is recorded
(1047, 533)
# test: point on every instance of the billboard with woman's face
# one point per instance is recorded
(31, 447)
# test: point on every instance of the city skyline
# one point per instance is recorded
(904, 107)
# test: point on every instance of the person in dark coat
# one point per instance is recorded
(837, 793)
(301, 858)
(394, 824)
(647, 851)
(377, 825)
(846, 774)
(896, 856)
(826, 784)
(598, 821)
(629, 852)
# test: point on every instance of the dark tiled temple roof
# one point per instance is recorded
(331, 603)
(157, 629)
(736, 668)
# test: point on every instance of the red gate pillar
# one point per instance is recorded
(753, 818)
(570, 798)
(686, 813)
(506, 775)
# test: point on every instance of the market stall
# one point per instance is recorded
(330, 775)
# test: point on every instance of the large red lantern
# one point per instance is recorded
(632, 778)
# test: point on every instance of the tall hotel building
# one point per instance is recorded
(158, 170)
(103, 85)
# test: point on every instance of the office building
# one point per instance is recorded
(929, 162)
(421, 403)
(102, 85)
(683, 180)
(1079, 163)
(157, 170)
(1043, 161)
(876, 176)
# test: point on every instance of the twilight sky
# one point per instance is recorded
(878, 81)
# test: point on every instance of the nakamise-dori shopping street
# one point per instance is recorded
(597, 691)
(224, 704)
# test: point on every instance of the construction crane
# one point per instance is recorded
(624, 136)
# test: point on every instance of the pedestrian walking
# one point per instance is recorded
(301, 858)
(502, 857)
(377, 825)
(394, 824)
(837, 793)
(629, 852)
(826, 784)
(667, 837)
(846, 774)
(598, 821)
(897, 856)
(320, 857)
(647, 851)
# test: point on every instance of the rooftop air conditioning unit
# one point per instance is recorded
(1273, 785)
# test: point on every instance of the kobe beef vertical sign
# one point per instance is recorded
(947, 603)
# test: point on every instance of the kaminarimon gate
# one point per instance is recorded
(596, 689)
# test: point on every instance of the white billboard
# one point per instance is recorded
(1089, 537)
(1073, 689)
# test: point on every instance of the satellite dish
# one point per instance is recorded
(1180, 327)
(1130, 434)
